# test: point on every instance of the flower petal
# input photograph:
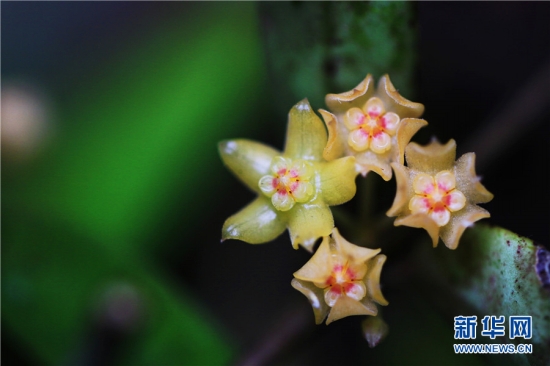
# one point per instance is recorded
(308, 222)
(282, 201)
(423, 184)
(359, 254)
(405, 131)
(452, 232)
(279, 165)
(457, 201)
(338, 181)
(315, 297)
(390, 122)
(381, 142)
(372, 280)
(378, 163)
(356, 291)
(419, 204)
(431, 158)
(306, 135)
(445, 180)
(266, 185)
(248, 160)
(358, 140)
(404, 190)
(302, 191)
(335, 144)
(395, 102)
(346, 306)
(357, 97)
(420, 221)
(374, 107)
(319, 267)
(468, 182)
(441, 216)
(354, 118)
(257, 223)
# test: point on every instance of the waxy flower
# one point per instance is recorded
(341, 279)
(372, 124)
(295, 188)
(437, 193)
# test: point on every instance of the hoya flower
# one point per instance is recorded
(295, 188)
(372, 124)
(437, 193)
(341, 279)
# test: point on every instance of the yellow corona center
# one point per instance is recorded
(371, 127)
(288, 183)
(436, 196)
(345, 279)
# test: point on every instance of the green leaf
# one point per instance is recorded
(317, 48)
(493, 270)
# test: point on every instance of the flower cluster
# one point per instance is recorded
(367, 129)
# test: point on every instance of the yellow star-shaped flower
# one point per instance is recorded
(295, 188)
(341, 279)
(372, 124)
(437, 193)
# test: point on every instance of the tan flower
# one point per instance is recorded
(372, 124)
(437, 193)
(341, 279)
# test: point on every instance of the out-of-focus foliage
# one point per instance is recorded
(320, 48)
(83, 217)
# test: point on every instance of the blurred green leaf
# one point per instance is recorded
(317, 48)
(493, 270)
(133, 135)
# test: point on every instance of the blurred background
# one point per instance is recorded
(113, 194)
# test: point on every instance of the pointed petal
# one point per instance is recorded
(372, 280)
(378, 163)
(319, 267)
(420, 221)
(405, 131)
(431, 158)
(359, 254)
(357, 97)
(404, 191)
(257, 223)
(338, 180)
(306, 135)
(346, 307)
(468, 182)
(307, 223)
(315, 297)
(335, 144)
(395, 102)
(248, 160)
(452, 232)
